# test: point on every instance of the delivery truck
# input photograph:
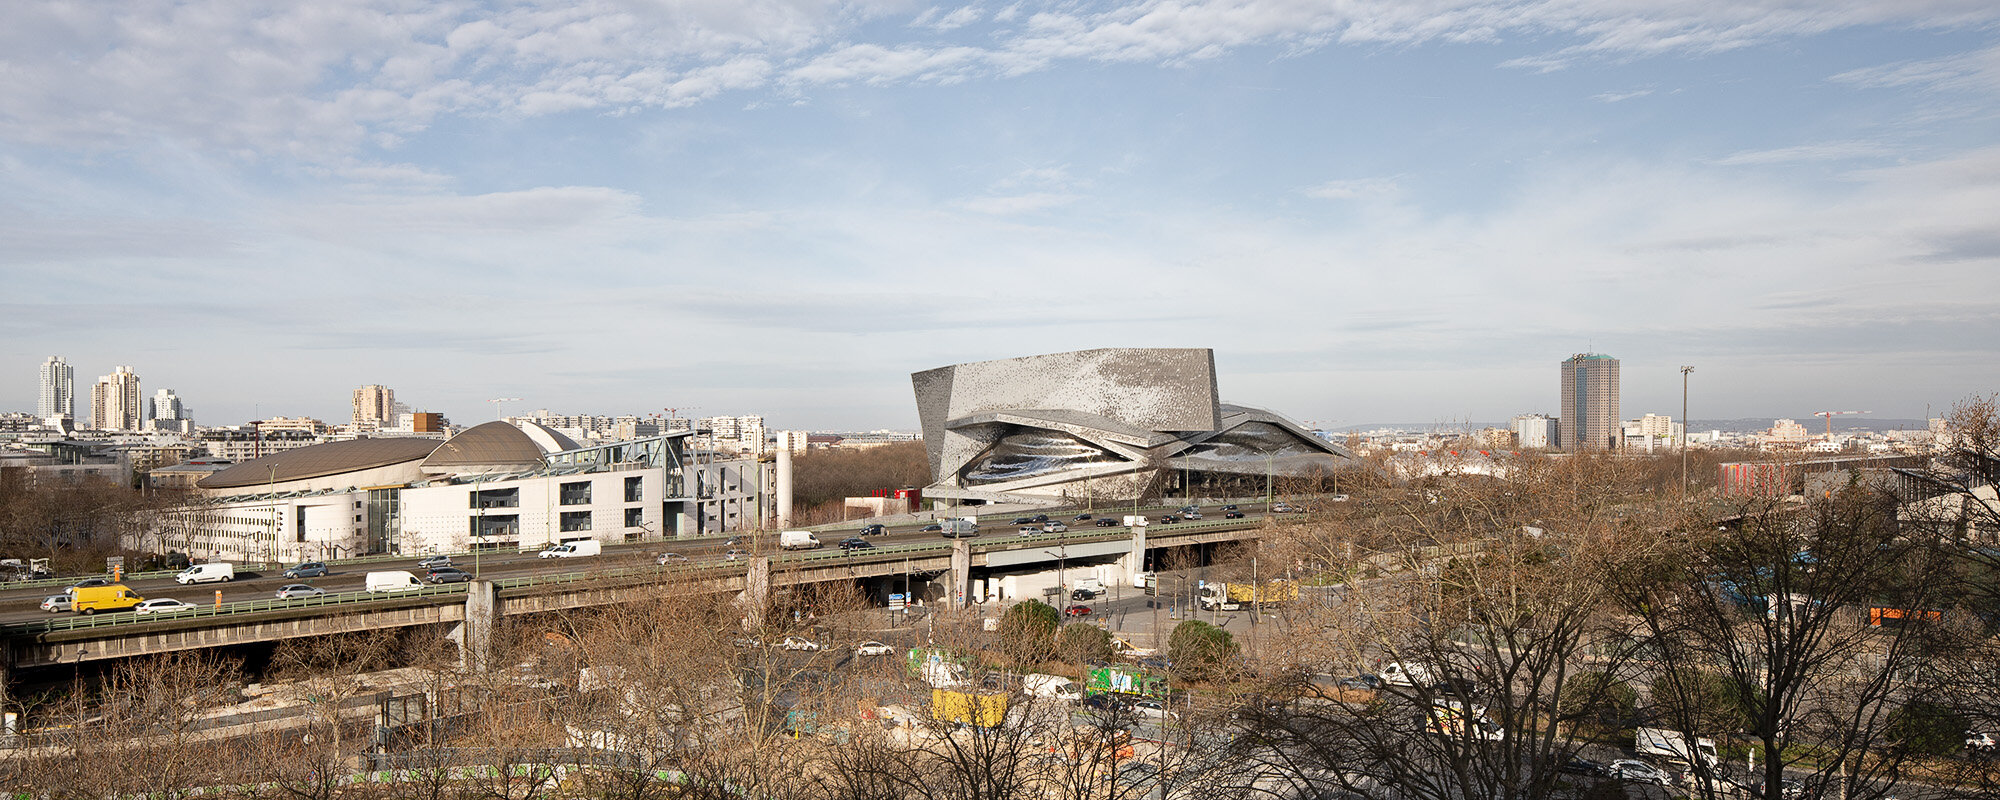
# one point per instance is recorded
(206, 573)
(92, 599)
(576, 549)
(1232, 596)
(392, 581)
(797, 540)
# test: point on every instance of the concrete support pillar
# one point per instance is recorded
(959, 584)
(482, 618)
(1135, 561)
(756, 591)
(784, 487)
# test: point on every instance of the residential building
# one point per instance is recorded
(1590, 402)
(1786, 433)
(58, 394)
(1537, 432)
(166, 412)
(374, 407)
(795, 441)
(114, 402)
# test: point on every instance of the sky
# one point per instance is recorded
(1372, 210)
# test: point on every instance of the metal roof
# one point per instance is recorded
(489, 447)
(319, 460)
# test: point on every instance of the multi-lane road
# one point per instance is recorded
(19, 605)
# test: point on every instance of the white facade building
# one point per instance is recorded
(1537, 432)
(115, 402)
(58, 390)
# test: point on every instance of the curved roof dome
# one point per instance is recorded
(319, 460)
(489, 447)
(550, 439)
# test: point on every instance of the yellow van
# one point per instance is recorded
(92, 599)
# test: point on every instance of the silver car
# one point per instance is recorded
(56, 603)
(295, 591)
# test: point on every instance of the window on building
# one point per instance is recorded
(575, 521)
(576, 494)
(496, 498)
(497, 525)
(634, 517)
(635, 489)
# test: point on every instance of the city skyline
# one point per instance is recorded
(1372, 212)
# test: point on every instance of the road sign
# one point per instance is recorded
(1152, 583)
(897, 602)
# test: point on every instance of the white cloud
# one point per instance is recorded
(1353, 189)
(1616, 97)
(1977, 71)
(1821, 151)
(938, 19)
(1009, 205)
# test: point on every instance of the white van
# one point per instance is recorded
(206, 573)
(1408, 673)
(393, 581)
(798, 540)
(585, 547)
(1052, 686)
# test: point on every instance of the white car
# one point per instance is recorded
(295, 591)
(1626, 769)
(1055, 527)
(1151, 708)
(873, 649)
(798, 643)
(669, 558)
(59, 602)
(1031, 531)
(163, 605)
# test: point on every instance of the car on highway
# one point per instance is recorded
(1082, 518)
(873, 649)
(733, 541)
(60, 602)
(874, 530)
(1082, 594)
(1030, 530)
(448, 575)
(1230, 507)
(1191, 515)
(664, 559)
(1023, 521)
(1634, 771)
(931, 528)
(86, 583)
(1282, 508)
(1366, 680)
(434, 562)
(1151, 708)
(735, 554)
(1054, 527)
(1106, 522)
(1169, 519)
(856, 543)
(163, 605)
(308, 569)
(1041, 518)
(1077, 611)
(294, 591)
(798, 643)
(1232, 515)
(1103, 701)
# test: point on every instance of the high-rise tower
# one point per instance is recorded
(114, 401)
(374, 407)
(58, 396)
(1590, 402)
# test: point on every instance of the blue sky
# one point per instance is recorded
(1372, 211)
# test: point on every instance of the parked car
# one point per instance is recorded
(86, 583)
(309, 569)
(448, 575)
(1082, 518)
(295, 591)
(1106, 522)
(1626, 769)
(1077, 611)
(664, 559)
(874, 530)
(1583, 766)
(163, 605)
(1082, 594)
(873, 649)
(434, 562)
(1054, 527)
(856, 543)
(60, 602)
(798, 643)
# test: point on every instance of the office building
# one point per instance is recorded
(114, 401)
(374, 407)
(166, 412)
(58, 395)
(1590, 418)
(1537, 432)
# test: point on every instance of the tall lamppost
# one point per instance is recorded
(1684, 430)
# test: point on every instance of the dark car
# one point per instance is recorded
(1024, 521)
(87, 583)
(874, 530)
(309, 569)
(856, 543)
(1077, 611)
(1106, 522)
(1456, 687)
(1363, 681)
(1082, 518)
(1041, 518)
(1583, 766)
(1082, 594)
(1232, 515)
(1230, 507)
(932, 528)
(448, 575)
(1168, 519)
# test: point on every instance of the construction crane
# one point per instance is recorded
(499, 411)
(1829, 415)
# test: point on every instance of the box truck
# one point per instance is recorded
(1672, 744)
(1051, 686)
(392, 581)
(1232, 596)
(586, 547)
(798, 540)
(206, 573)
(92, 599)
